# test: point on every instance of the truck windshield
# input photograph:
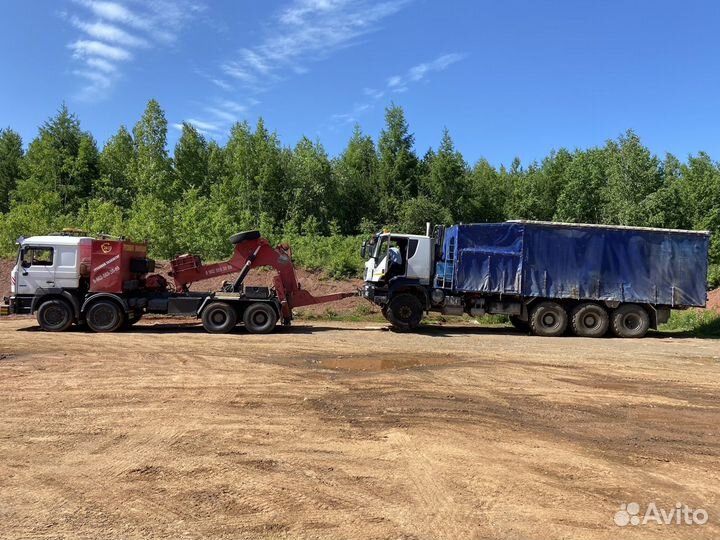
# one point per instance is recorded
(381, 248)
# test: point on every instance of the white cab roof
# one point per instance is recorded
(56, 240)
(411, 236)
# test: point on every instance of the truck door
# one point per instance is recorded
(37, 270)
(419, 259)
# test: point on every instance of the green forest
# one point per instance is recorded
(191, 199)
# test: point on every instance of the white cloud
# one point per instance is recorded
(221, 84)
(109, 33)
(236, 107)
(302, 8)
(373, 93)
(221, 114)
(398, 84)
(237, 71)
(113, 11)
(305, 31)
(254, 60)
(83, 48)
(206, 133)
(98, 80)
(101, 64)
(205, 126)
(117, 28)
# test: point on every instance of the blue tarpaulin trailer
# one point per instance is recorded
(661, 267)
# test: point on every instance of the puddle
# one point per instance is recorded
(367, 362)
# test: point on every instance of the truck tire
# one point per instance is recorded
(219, 318)
(519, 324)
(55, 315)
(244, 236)
(405, 312)
(104, 316)
(630, 321)
(548, 319)
(260, 318)
(589, 320)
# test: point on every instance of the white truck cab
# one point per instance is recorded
(406, 256)
(47, 262)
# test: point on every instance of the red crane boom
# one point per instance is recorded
(252, 251)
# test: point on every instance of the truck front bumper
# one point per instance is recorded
(373, 293)
(16, 305)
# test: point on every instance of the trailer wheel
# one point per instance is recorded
(630, 321)
(219, 318)
(244, 236)
(519, 324)
(548, 319)
(104, 316)
(55, 315)
(260, 318)
(405, 312)
(590, 320)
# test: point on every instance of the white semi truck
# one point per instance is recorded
(547, 277)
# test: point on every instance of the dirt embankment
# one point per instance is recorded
(714, 300)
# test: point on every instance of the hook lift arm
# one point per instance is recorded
(252, 251)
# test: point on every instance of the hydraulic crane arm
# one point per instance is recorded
(252, 251)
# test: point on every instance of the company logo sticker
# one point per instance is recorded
(106, 247)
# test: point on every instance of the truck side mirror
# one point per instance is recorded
(363, 249)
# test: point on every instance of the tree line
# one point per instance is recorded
(194, 199)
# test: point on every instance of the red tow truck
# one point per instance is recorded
(107, 284)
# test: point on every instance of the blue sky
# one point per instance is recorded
(510, 78)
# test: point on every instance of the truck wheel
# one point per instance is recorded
(519, 324)
(630, 321)
(55, 316)
(244, 236)
(104, 316)
(260, 318)
(590, 320)
(548, 319)
(219, 318)
(405, 312)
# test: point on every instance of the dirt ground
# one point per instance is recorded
(347, 430)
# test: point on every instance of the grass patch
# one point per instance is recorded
(362, 313)
(484, 320)
(705, 323)
(365, 313)
(493, 320)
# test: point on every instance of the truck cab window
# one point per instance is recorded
(38, 256)
(381, 249)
